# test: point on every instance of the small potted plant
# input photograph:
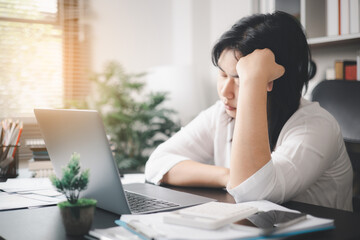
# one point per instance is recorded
(77, 214)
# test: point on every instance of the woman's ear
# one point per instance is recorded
(270, 86)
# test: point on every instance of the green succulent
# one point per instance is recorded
(73, 181)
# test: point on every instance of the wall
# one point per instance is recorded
(135, 33)
(223, 16)
(170, 39)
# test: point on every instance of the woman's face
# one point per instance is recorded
(228, 80)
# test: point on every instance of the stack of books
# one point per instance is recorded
(346, 70)
(40, 163)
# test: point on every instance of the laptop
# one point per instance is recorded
(82, 131)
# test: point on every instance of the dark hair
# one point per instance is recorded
(284, 36)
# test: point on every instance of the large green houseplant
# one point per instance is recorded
(136, 121)
(77, 214)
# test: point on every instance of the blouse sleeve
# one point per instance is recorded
(307, 149)
(192, 142)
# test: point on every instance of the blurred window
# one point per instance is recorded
(43, 55)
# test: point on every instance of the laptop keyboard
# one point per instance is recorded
(139, 203)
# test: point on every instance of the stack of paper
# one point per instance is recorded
(28, 192)
(169, 231)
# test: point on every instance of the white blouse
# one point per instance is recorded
(309, 164)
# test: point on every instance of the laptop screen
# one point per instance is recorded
(82, 131)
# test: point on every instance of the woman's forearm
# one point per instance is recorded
(250, 146)
(194, 174)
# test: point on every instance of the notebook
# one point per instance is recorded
(82, 131)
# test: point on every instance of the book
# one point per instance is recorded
(344, 17)
(339, 69)
(354, 16)
(332, 17)
(41, 156)
(36, 144)
(350, 71)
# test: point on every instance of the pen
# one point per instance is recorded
(18, 139)
(135, 230)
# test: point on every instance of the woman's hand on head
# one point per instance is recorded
(260, 65)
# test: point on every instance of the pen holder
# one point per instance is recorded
(9, 161)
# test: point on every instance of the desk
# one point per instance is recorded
(45, 223)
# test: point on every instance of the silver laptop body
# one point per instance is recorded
(82, 131)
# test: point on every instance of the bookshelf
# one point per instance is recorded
(316, 19)
(334, 40)
(326, 47)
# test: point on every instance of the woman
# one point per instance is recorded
(262, 140)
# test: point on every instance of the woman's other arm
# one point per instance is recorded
(194, 174)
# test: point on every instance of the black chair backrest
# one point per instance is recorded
(342, 99)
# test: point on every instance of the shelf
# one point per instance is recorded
(334, 40)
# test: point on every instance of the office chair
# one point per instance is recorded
(342, 99)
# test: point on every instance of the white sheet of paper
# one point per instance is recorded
(45, 192)
(14, 201)
(113, 233)
(26, 184)
(28, 192)
(45, 199)
(133, 178)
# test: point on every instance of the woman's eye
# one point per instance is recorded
(223, 75)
